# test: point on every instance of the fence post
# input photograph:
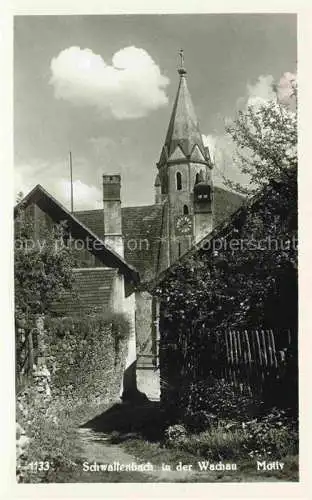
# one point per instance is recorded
(259, 347)
(264, 348)
(273, 347)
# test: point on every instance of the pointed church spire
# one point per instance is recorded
(183, 139)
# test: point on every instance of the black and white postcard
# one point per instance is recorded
(155, 249)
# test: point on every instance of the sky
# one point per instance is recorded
(103, 87)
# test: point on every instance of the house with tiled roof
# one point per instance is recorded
(149, 239)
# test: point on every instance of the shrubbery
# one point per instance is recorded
(217, 422)
(83, 352)
(206, 401)
(267, 436)
(272, 434)
(225, 441)
(217, 443)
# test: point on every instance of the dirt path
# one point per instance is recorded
(138, 422)
(96, 449)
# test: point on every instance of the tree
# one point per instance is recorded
(266, 139)
(265, 135)
(43, 265)
(42, 273)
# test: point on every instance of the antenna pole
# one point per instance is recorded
(71, 183)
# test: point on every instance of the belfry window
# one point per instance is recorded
(179, 181)
(185, 210)
(199, 176)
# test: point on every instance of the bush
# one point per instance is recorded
(52, 443)
(175, 433)
(204, 402)
(217, 443)
(83, 352)
(273, 434)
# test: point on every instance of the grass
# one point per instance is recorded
(156, 453)
(221, 442)
(139, 431)
(216, 444)
(55, 441)
(246, 466)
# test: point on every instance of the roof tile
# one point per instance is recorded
(142, 229)
(93, 291)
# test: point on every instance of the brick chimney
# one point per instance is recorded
(112, 213)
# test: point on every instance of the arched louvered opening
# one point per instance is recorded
(199, 177)
(179, 181)
(185, 210)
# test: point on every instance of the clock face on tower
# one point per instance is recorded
(183, 224)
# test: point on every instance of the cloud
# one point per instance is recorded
(263, 90)
(51, 177)
(130, 87)
(210, 143)
(85, 196)
(257, 94)
(285, 88)
(222, 148)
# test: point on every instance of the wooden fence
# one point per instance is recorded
(250, 360)
(258, 362)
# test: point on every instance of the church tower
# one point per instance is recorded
(184, 176)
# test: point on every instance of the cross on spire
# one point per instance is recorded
(181, 70)
(181, 53)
